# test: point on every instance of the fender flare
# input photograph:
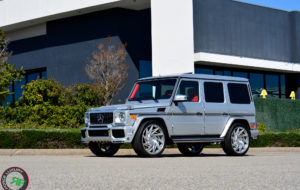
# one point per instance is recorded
(229, 123)
(140, 119)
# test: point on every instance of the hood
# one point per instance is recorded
(129, 106)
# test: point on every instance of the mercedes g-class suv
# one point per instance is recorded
(191, 110)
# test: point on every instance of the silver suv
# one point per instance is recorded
(191, 110)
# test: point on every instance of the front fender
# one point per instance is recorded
(140, 119)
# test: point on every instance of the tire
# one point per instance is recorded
(237, 140)
(103, 150)
(192, 149)
(150, 139)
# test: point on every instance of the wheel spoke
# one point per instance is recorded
(239, 139)
(153, 139)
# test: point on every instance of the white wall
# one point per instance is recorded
(172, 37)
(17, 11)
(246, 62)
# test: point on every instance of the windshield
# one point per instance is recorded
(153, 90)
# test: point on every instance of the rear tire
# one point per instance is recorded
(150, 139)
(237, 140)
(191, 149)
(103, 150)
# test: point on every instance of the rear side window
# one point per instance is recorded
(238, 93)
(214, 92)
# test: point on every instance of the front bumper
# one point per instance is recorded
(254, 133)
(107, 133)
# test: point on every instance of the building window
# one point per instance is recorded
(29, 76)
(282, 86)
(145, 69)
(274, 83)
(204, 71)
(256, 83)
(240, 74)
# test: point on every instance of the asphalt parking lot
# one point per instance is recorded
(262, 168)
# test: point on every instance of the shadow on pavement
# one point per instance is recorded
(173, 155)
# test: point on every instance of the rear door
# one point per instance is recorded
(215, 106)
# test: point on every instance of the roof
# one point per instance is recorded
(199, 76)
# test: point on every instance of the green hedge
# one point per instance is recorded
(40, 139)
(42, 116)
(70, 138)
(278, 114)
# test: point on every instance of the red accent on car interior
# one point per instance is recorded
(134, 91)
(195, 99)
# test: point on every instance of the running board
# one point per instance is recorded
(196, 140)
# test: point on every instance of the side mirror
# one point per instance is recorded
(180, 98)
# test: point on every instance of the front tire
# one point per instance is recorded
(150, 139)
(103, 150)
(237, 140)
(191, 149)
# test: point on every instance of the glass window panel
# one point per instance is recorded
(272, 85)
(18, 89)
(240, 74)
(190, 89)
(256, 83)
(227, 73)
(282, 84)
(145, 69)
(199, 70)
(214, 92)
(44, 74)
(238, 93)
(153, 90)
(33, 76)
(218, 72)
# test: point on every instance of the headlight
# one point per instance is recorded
(87, 118)
(120, 117)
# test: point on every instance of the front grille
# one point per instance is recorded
(101, 118)
(118, 133)
(98, 133)
(83, 133)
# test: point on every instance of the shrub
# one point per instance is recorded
(43, 115)
(261, 127)
(42, 91)
(82, 94)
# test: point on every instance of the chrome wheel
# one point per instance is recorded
(240, 140)
(153, 139)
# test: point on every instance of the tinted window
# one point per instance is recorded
(214, 92)
(190, 89)
(238, 93)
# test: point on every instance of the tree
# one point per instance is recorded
(108, 70)
(7, 72)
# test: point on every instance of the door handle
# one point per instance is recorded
(199, 113)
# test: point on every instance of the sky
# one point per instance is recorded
(288, 5)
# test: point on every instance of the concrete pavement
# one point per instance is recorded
(262, 168)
